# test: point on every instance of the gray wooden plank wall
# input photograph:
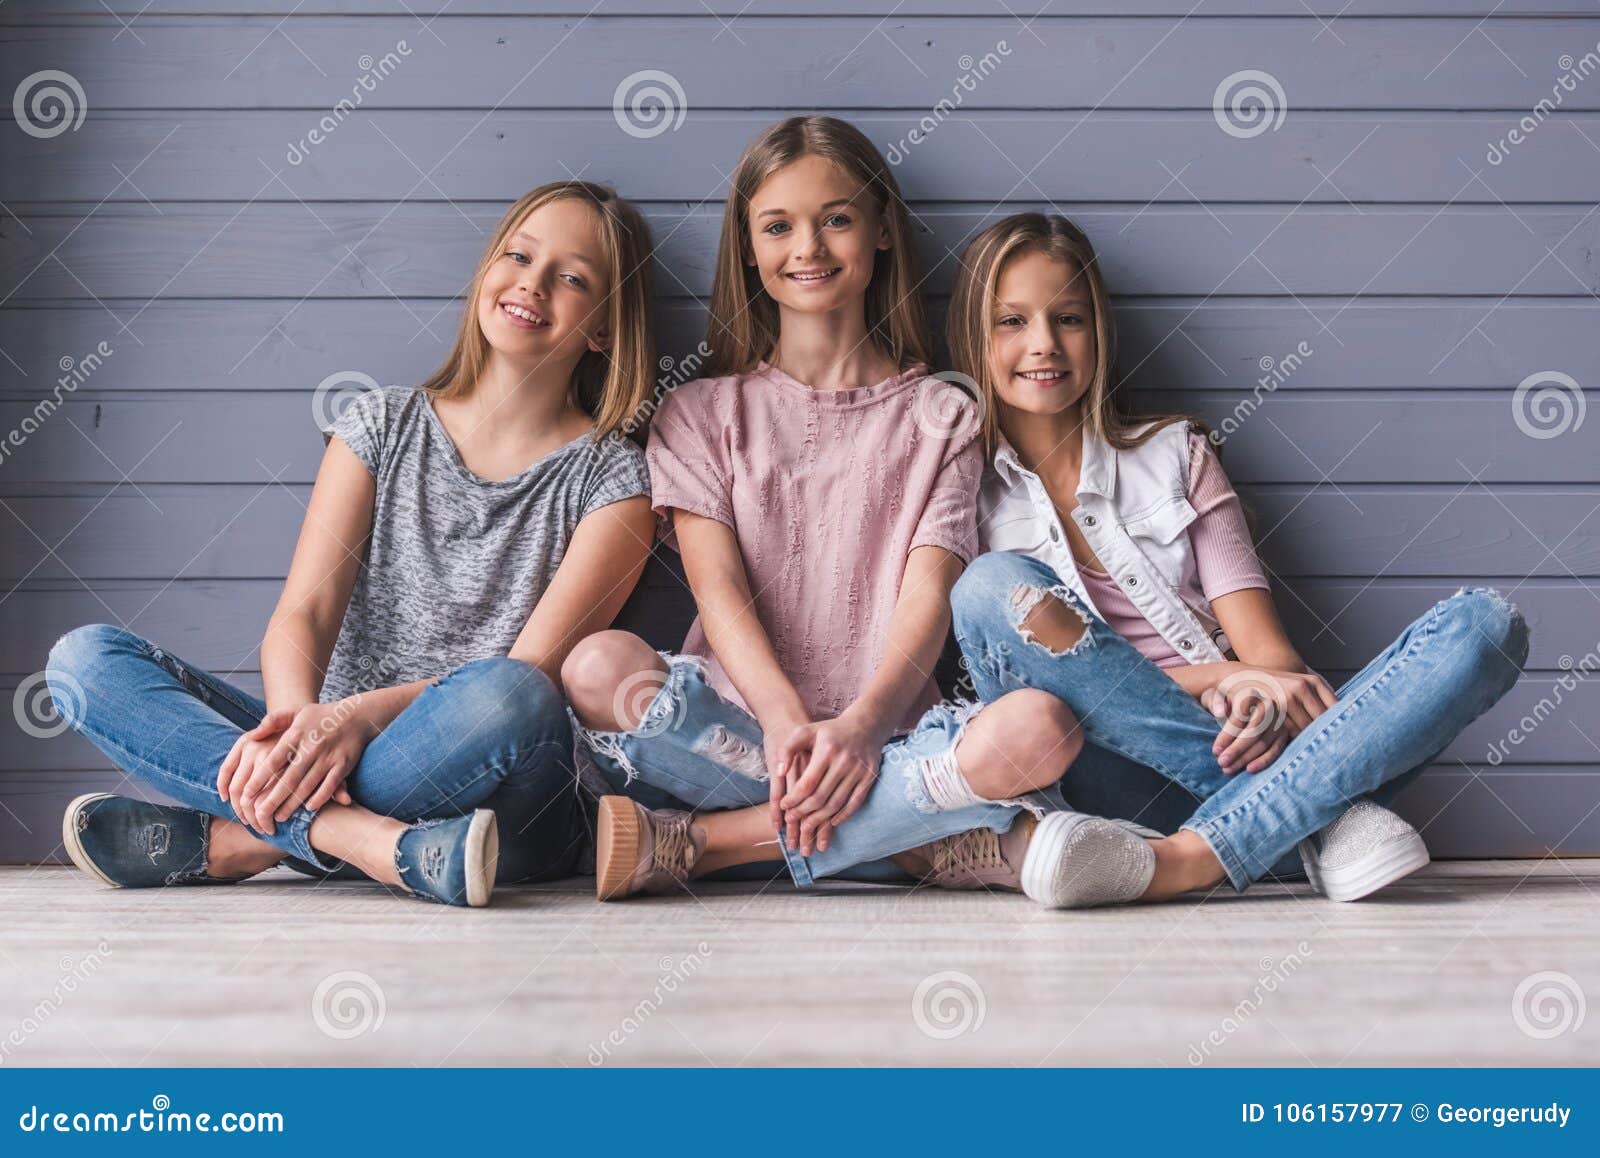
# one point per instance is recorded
(1388, 224)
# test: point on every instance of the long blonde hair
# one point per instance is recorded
(970, 323)
(743, 327)
(611, 385)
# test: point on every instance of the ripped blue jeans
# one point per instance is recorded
(1447, 667)
(694, 750)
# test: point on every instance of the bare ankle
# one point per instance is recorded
(359, 837)
(1184, 863)
(234, 852)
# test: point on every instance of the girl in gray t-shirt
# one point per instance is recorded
(462, 536)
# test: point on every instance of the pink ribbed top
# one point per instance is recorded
(827, 491)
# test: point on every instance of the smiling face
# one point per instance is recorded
(544, 293)
(814, 236)
(1041, 336)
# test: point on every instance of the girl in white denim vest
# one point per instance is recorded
(1122, 579)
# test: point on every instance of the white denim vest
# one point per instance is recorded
(1133, 509)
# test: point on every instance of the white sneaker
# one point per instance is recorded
(1365, 849)
(1076, 861)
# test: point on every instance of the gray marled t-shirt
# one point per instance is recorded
(456, 563)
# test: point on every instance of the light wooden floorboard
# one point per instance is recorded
(1426, 973)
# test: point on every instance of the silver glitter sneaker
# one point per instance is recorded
(1365, 849)
(1076, 861)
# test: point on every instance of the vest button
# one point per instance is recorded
(1133, 581)
(1185, 644)
(1088, 520)
(1055, 534)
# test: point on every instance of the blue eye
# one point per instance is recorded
(840, 218)
(1009, 320)
(518, 257)
(775, 227)
(574, 280)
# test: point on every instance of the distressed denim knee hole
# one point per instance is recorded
(1026, 603)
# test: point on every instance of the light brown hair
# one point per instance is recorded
(743, 327)
(970, 324)
(610, 385)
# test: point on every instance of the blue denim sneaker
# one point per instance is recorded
(133, 844)
(451, 861)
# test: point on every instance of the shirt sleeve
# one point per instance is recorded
(950, 517)
(361, 425)
(687, 456)
(620, 474)
(1224, 555)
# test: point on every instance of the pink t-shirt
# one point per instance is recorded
(1224, 556)
(827, 491)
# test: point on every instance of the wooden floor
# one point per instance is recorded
(1466, 963)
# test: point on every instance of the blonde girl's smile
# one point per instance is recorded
(544, 293)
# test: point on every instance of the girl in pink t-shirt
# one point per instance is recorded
(1122, 578)
(821, 487)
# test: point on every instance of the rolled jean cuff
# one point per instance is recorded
(799, 868)
(1232, 864)
(294, 837)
